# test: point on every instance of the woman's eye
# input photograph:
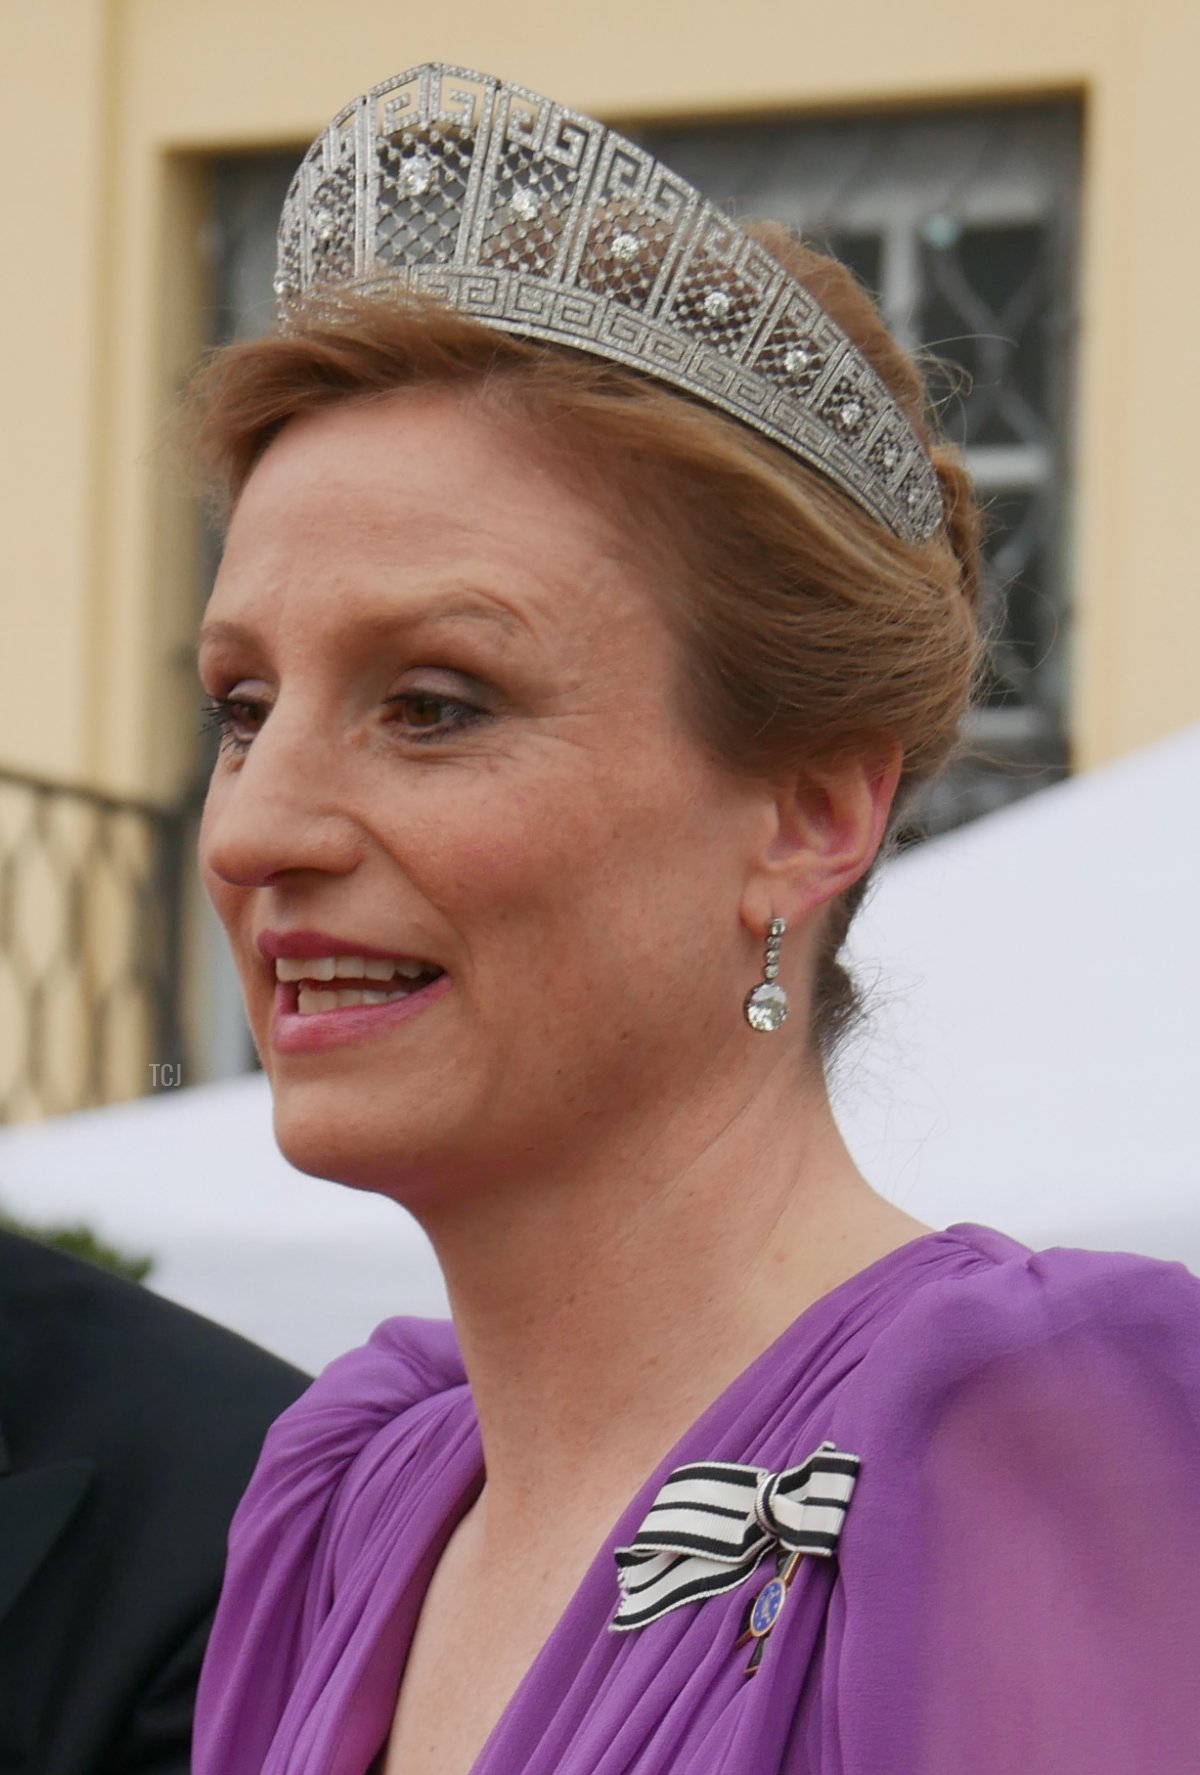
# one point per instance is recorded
(427, 717)
(430, 716)
(221, 712)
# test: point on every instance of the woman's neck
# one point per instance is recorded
(599, 1314)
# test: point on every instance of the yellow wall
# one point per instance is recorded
(111, 105)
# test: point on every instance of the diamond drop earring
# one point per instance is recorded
(766, 1005)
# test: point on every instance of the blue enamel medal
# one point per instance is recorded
(766, 1607)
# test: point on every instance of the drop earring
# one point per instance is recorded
(766, 1004)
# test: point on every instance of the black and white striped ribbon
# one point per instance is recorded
(712, 1522)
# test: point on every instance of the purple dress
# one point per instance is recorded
(1015, 1590)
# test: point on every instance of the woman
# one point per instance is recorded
(595, 593)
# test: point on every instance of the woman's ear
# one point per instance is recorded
(828, 824)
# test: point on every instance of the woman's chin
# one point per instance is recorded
(376, 1152)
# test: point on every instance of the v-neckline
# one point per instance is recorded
(392, 1645)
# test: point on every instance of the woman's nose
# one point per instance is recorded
(281, 809)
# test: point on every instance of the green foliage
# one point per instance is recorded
(80, 1241)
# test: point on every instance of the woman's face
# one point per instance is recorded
(455, 741)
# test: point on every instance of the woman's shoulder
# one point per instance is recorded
(1017, 1388)
(1015, 1318)
(1026, 1520)
(360, 1424)
(405, 1365)
(1016, 1299)
(354, 1417)
(365, 1435)
(404, 1361)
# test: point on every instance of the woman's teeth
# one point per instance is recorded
(302, 971)
(309, 999)
(345, 967)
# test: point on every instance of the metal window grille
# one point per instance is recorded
(90, 897)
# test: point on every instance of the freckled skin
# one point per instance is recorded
(575, 862)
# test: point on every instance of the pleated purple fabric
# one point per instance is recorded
(1017, 1588)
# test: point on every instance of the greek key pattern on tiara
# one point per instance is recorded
(544, 223)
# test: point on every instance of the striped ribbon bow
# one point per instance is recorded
(712, 1522)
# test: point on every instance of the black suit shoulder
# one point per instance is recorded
(101, 1642)
(124, 1361)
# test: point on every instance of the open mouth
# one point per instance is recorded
(306, 998)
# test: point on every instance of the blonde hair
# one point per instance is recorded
(809, 631)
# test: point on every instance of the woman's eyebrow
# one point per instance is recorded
(383, 623)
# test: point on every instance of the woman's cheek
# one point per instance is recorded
(524, 848)
(494, 857)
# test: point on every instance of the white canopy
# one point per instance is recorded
(1030, 1063)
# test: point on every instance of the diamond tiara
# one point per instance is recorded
(539, 221)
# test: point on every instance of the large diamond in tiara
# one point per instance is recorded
(416, 175)
(542, 222)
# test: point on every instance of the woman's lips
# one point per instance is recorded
(292, 1033)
